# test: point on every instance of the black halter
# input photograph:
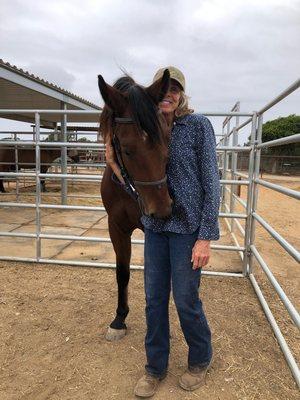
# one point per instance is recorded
(131, 183)
(127, 179)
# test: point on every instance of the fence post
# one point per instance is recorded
(221, 165)
(249, 197)
(38, 186)
(235, 141)
(17, 167)
(225, 143)
(257, 154)
(63, 158)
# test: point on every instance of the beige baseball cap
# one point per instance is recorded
(175, 74)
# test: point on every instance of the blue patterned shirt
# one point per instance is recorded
(193, 180)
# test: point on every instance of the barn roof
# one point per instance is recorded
(21, 90)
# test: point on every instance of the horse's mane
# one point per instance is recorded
(144, 111)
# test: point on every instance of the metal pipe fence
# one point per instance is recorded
(37, 175)
(247, 251)
(14, 143)
(249, 237)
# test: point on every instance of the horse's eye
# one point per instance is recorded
(127, 152)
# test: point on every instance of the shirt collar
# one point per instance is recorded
(181, 120)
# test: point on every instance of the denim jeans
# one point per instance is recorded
(168, 264)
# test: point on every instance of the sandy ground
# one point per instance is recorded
(54, 318)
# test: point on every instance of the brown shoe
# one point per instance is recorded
(146, 386)
(193, 378)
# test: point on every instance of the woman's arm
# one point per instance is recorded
(111, 161)
(209, 174)
(208, 167)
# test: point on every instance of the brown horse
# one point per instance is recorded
(131, 121)
(26, 160)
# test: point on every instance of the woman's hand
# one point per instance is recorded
(200, 253)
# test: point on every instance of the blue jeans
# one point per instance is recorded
(168, 261)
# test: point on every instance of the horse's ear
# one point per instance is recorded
(111, 96)
(159, 88)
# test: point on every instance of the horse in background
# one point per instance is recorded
(131, 121)
(26, 160)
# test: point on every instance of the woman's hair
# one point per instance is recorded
(183, 106)
(105, 124)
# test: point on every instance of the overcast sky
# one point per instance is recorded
(228, 50)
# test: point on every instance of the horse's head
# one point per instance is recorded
(131, 120)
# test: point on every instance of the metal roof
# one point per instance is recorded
(21, 90)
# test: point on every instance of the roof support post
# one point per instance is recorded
(63, 157)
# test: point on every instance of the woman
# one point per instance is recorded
(178, 247)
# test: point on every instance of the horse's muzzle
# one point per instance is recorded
(162, 212)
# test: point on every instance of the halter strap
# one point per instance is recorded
(128, 180)
(124, 120)
(151, 183)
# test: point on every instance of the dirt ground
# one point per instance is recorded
(54, 318)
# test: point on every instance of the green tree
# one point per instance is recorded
(278, 128)
(55, 137)
(83, 140)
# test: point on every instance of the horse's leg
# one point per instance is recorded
(43, 186)
(2, 189)
(122, 246)
(44, 170)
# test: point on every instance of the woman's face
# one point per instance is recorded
(171, 100)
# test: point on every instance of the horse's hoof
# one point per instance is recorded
(114, 334)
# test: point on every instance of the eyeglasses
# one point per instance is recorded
(174, 89)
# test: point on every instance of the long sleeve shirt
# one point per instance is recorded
(193, 180)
